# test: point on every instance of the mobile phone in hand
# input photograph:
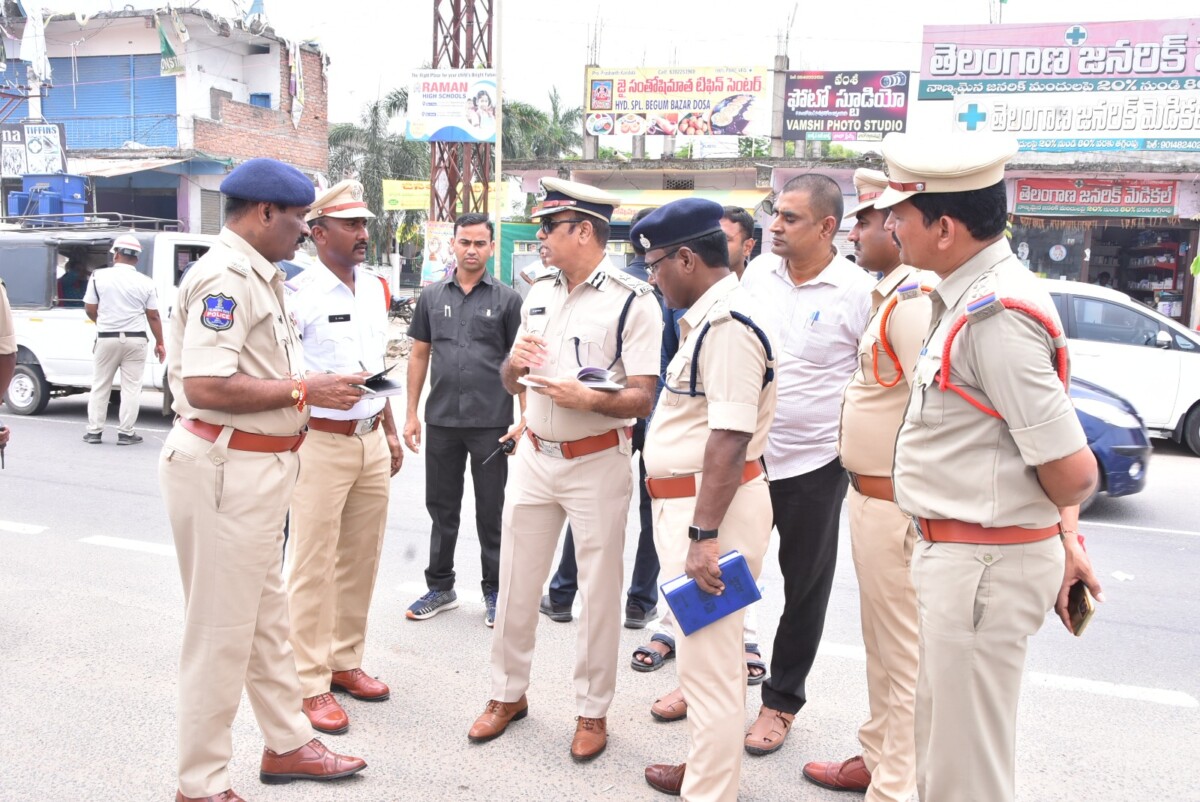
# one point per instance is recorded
(1081, 607)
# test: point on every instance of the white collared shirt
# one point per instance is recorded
(818, 324)
(340, 329)
(122, 296)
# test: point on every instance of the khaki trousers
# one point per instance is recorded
(882, 540)
(978, 605)
(226, 509)
(127, 354)
(593, 493)
(339, 512)
(709, 662)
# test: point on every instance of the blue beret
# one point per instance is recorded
(678, 222)
(269, 181)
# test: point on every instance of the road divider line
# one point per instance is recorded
(1088, 524)
(21, 529)
(130, 545)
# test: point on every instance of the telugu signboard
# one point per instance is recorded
(32, 148)
(842, 106)
(1087, 197)
(689, 101)
(1065, 86)
(452, 106)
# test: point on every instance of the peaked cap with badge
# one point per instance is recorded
(564, 196)
(869, 186)
(678, 222)
(342, 200)
(947, 163)
(269, 181)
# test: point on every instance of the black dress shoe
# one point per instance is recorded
(555, 612)
(637, 618)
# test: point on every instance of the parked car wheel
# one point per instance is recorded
(1191, 430)
(28, 392)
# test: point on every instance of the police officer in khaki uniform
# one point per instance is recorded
(881, 535)
(989, 451)
(576, 463)
(8, 353)
(227, 471)
(711, 421)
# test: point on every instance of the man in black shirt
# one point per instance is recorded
(466, 324)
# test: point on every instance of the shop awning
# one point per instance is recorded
(634, 199)
(109, 168)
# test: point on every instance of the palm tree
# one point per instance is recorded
(530, 133)
(370, 152)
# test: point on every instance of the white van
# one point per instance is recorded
(41, 269)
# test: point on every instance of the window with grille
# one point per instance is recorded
(688, 184)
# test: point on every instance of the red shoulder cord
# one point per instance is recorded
(887, 346)
(387, 294)
(1060, 351)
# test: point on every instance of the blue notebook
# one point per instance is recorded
(694, 609)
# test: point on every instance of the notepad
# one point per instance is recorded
(694, 609)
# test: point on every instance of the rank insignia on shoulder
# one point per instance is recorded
(983, 307)
(636, 285)
(239, 264)
(911, 290)
(218, 312)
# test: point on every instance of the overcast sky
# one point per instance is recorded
(374, 44)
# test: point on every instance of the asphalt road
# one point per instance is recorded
(90, 614)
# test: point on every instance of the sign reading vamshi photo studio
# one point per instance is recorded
(851, 105)
(1070, 86)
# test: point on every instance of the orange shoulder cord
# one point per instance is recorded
(901, 292)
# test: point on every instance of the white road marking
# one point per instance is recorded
(83, 423)
(1089, 524)
(21, 529)
(130, 545)
(1056, 681)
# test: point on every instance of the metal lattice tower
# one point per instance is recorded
(462, 39)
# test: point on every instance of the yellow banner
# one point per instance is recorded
(404, 195)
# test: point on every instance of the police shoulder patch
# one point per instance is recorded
(635, 285)
(982, 300)
(218, 312)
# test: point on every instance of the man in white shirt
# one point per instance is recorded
(119, 299)
(339, 508)
(818, 302)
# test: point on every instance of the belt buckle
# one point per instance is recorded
(550, 448)
(364, 426)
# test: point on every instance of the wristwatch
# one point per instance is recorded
(696, 533)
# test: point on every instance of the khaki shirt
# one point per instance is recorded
(956, 462)
(580, 328)
(230, 317)
(872, 412)
(8, 334)
(729, 385)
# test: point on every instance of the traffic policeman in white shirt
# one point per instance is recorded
(121, 301)
(339, 510)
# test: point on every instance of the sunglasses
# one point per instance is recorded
(548, 224)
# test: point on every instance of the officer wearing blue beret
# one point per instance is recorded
(710, 426)
(227, 470)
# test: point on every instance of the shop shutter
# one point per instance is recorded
(210, 211)
(91, 97)
(156, 122)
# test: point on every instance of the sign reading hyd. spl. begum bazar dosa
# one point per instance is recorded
(689, 101)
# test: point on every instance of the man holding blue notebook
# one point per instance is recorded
(710, 426)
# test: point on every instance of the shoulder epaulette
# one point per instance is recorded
(983, 301)
(635, 285)
(238, 263)
(909, 290)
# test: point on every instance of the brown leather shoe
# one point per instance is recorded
(224, 796)
(496, 718)
(666, 778)
(768, 731)
(846, 775)
(326, 715)
(672, 707)
(359, 685)
(591, 736)
(310, 762)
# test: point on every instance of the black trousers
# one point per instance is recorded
(446, 452)
(806, 509)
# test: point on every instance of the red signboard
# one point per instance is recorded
(1096, 197)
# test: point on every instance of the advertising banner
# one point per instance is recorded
(842, 106)
(688, 101)
(452, 106)
(438, 260)
(32, 148)
(405, 195)
(1093, 197)
(1066, 86)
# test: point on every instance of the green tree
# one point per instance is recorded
(370, 152)
(530, 133)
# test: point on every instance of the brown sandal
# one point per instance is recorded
(768, 731)
(672, 707)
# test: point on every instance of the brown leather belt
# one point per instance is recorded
(573, 449)
(346, 427)
(946, 531)
(244, 441)
(879, 487)
(685, 486)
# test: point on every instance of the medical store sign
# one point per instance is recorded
(844, 106)
(1091, 197)
(688, 101)
(1067, 86)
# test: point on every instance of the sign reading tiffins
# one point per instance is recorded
(842, 106)
(1096, 197)
(690, 101)
(1067, 86)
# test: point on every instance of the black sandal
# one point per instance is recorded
(751, 679)
(656, 660)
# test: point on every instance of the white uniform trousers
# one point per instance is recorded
(127, 354)
(978, 605)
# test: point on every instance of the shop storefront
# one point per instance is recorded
(1122, 233)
